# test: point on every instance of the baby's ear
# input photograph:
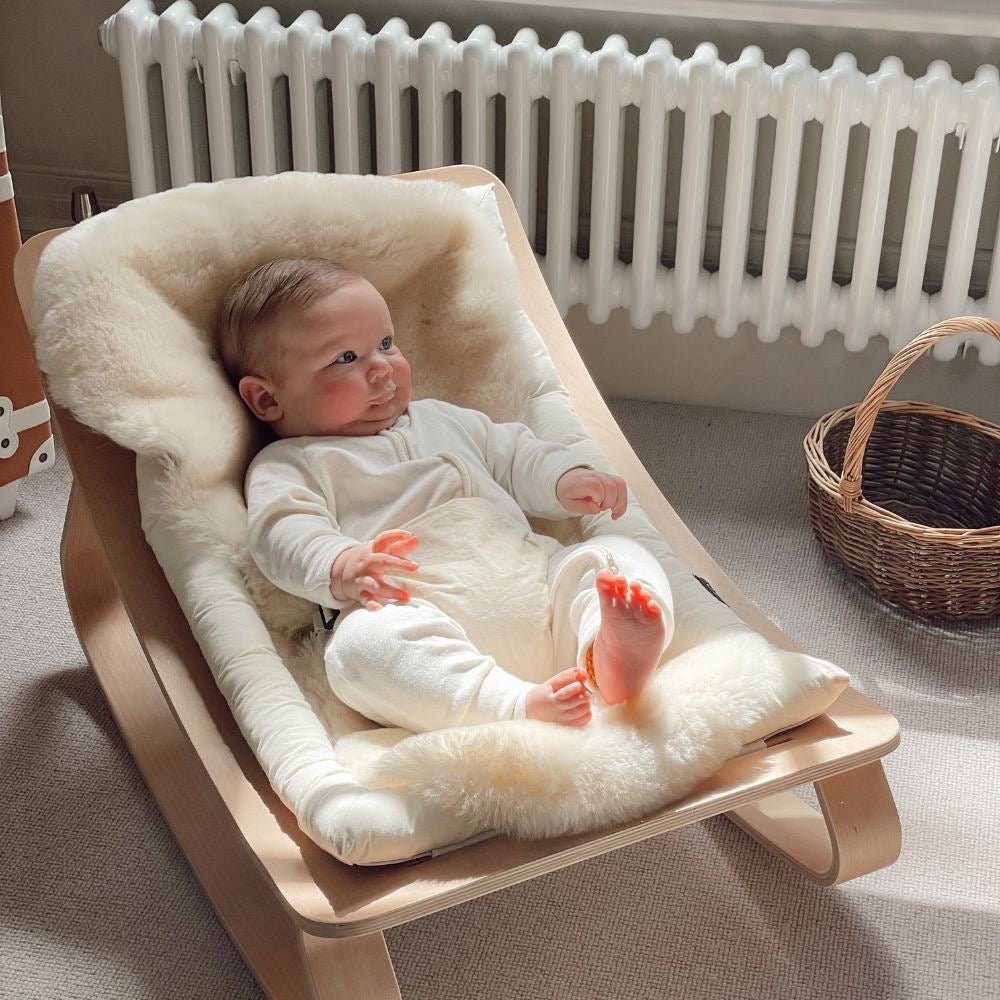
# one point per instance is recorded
(259, 396)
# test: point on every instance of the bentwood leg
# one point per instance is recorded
(356, 968)
(856, 830)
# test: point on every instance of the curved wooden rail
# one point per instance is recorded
(289, 962)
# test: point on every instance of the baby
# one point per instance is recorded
(311, 348)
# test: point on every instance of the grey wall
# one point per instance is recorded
(61, 105)
(64, 122)
(60, 91)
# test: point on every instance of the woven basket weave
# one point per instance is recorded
(926, 532)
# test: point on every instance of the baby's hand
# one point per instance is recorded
(358, 573)
(587, 491)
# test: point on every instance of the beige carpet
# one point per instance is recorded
(97, 901)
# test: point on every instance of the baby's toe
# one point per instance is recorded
(571, 692)
(611, 589)
(606, 583)
(642, 603)
(566, 678)
(578, 718)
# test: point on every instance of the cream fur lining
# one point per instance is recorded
(123, 303)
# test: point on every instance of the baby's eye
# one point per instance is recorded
(386, 344)
(346, 358)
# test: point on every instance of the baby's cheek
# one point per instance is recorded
(401, 371)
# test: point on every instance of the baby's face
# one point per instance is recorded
(340, 370)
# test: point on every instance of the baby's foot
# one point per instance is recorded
(630, 641)
(563, 699)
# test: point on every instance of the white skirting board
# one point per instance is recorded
(43, 194)
(741, 373)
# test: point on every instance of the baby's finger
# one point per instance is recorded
(369, 602)
(587, 493)
(620, 500)
(606, 492)
(389, 592)
(383, 562)
(595, 487)
(385, 540)
(402, 545)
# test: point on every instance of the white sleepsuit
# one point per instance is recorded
(488, 588)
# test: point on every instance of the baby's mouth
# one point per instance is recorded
(384, 398)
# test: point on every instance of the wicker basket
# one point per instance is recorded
(926, 533)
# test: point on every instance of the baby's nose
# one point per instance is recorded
(378, 370)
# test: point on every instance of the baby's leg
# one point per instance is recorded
(413, 666)
(612, 599)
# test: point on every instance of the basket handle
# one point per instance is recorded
(868, 409)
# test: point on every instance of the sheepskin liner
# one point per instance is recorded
(123, 309)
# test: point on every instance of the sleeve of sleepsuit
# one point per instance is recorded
(527, 467)
(293, 534)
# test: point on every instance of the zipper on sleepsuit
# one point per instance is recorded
(402, 445)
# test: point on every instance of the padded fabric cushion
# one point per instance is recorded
(124, 303)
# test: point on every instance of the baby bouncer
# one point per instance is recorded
(295, 813)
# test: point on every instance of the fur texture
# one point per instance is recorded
(630, 760)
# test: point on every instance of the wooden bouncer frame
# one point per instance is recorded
(308, 925)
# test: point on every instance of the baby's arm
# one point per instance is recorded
(357, 574)
(293, 534)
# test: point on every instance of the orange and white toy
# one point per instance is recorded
(26, 444)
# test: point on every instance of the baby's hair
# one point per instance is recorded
(257, 299)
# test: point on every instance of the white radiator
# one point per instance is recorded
(303, 97)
